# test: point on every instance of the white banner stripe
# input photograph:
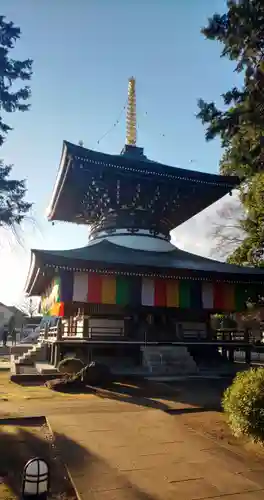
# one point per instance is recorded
(208, 295)
(147, 293)
(80, 287)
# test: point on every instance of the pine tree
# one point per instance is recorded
(13, 207)
(240, 124)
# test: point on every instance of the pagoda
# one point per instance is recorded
(130, 288)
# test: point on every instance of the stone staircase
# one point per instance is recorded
(34, 354)
(168, 360)
(45, 368)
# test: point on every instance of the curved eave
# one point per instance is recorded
(60, 180)
(105, 256)
(36, 280)
(33, 273)
(126, 164)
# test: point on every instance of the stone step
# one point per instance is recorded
(46, 369)
(30, 356)
(168, 360)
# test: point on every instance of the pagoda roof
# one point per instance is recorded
(80, 167)
(104, 256)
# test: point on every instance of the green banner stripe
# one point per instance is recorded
(185, 294)
(122, 291)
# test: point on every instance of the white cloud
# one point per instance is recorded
(197, 234)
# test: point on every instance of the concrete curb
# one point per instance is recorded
(66, 467)
(5, 368)
(40, 420)
(33, 377)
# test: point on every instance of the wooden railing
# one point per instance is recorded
(94, 333)
(107, 331)
(232, 335)
(50, 334)
(59, 333)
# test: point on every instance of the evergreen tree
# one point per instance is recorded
(13, 207)
(240, 124)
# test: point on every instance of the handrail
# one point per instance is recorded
(51, 334)
(62, 332)
(97, 330)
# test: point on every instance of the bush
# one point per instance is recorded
(70, 366)
(243, 403)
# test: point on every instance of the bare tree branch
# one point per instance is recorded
(225, 230)
(29, 306)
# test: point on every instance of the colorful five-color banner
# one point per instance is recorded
(139, 291)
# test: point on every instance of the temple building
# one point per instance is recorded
(130, 294)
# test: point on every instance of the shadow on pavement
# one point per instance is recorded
(19, 444)
(197, 395)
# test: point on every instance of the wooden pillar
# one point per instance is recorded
(57, 353)
(48, 353)
(246, 335)
(69, 327)
(224, 352)
(231, 354)
(59, 330)
(209, 329)
(52, 354)
(248, 355)
(86, 327)
(248, 348)
(46, 332)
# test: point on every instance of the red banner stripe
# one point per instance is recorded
(219, 296)
(160, 295)
(95, 288)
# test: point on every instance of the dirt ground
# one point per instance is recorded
(31, 438)
(142, 441)
(19, 442)
(182, 399)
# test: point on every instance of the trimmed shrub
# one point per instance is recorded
(70, 366)
(243, 403)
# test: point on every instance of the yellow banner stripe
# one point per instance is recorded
(172, 293)
(109, 290)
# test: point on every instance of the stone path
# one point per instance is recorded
(120, 453)
(117, 450)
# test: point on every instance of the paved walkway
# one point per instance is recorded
(117, 450)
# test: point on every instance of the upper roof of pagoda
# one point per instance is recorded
(91, 184)
(108, 258)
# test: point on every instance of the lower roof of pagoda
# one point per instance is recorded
(106, 257)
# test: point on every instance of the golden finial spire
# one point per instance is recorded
(131, 118)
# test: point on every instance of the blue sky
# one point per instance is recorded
(84, 51)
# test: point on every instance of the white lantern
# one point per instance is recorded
(35, 479)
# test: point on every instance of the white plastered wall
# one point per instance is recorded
(140, 241)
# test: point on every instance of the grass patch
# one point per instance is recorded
(20, 443)
(10, 391)
(5, 492)
(31, 391)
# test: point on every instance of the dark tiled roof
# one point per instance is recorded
(146, 166)
(109, 253)
(104, 255)
(80, 165)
